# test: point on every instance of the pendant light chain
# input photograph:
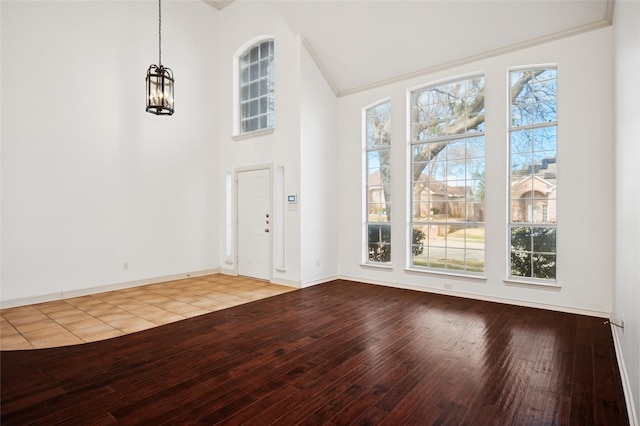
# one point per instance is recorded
(159, 32)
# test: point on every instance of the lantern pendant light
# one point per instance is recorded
(160, 80)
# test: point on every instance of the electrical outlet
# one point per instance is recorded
(125, 266)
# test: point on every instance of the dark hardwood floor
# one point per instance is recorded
(337, 353)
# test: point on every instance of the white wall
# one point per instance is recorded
(89, 179)
(585, 156)
(318, 143)
(242, 22)
(626, 290)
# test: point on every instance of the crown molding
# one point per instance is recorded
(591, 26)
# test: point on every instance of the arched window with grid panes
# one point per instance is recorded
(257, 94)
(448, 176)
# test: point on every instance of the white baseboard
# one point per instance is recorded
(101, 289)
(516, 302)
(288, 283)
(226, 271)
(273, 280)
(319, 281)
(626, 386)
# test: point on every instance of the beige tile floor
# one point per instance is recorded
(115, 313)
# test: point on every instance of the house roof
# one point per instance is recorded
(546, 169)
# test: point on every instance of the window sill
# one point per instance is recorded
(550, 285)
(254, 134)
(460, 275)
(388, 267)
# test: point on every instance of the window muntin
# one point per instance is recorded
(447, 176)
(257, 96)
(378, 182)
(533, 173)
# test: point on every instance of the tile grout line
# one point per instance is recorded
(220, 293)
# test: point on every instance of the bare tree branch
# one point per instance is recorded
(461, 125)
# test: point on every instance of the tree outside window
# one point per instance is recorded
(378, 182)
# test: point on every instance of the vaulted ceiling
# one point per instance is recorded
(359, 44)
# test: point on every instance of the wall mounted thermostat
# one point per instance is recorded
(292, 200)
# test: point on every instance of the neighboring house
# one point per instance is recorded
(377, 200)
(376, 195)
(436, 198)
(533, 187)
(433, 199)
(535, 193)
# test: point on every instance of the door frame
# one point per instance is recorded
(236, 172)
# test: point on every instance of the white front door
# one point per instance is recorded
(254, 223)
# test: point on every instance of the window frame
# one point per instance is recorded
(245, 99)
(537, 206)
(367, 150)
(413, 141)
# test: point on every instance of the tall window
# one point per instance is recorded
(533, 176)
(257, 110)
(447, 176)
(378, 182)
